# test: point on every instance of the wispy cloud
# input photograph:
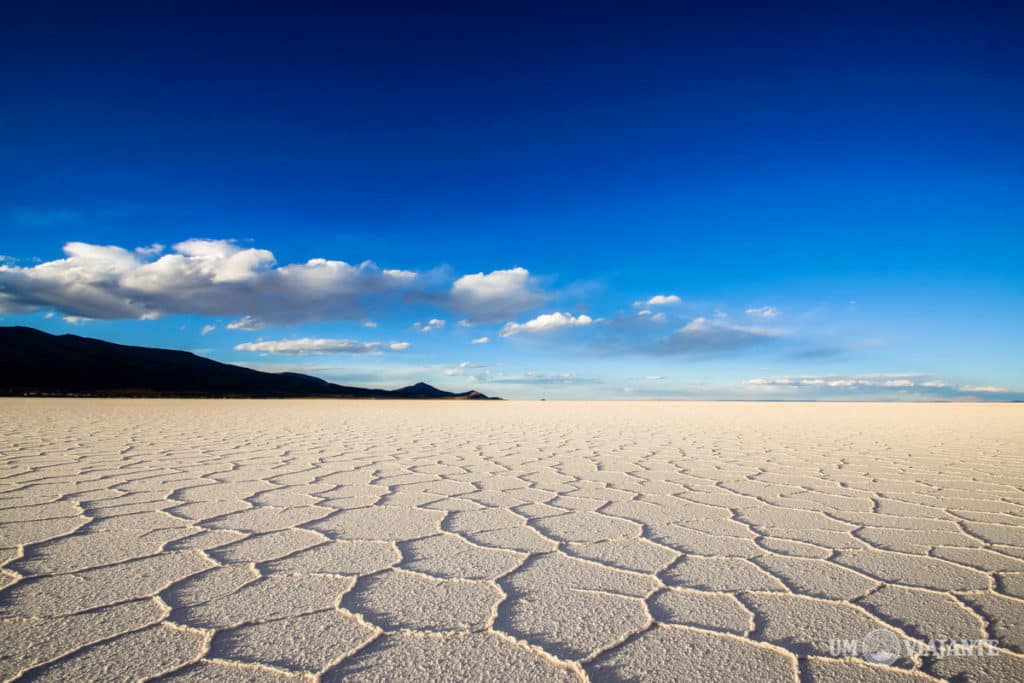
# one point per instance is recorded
(766, 312)
(838, 382)
(899, 381)
(647, 313)
(461, 368)
(541, 379)
(701, 335)
(984, 389)
(299, 347)
(480, 340)
(247, 323)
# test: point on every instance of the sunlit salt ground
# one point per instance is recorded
(270, 540)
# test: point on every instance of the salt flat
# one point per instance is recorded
(415, 541)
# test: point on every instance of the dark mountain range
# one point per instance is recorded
(33, 362)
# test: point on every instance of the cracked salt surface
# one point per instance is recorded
(348, 540)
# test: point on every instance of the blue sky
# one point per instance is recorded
(829, 201)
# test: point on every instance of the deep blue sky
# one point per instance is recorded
(854, 169)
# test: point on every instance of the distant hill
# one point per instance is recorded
(33, 362)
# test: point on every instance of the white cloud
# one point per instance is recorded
(539, 378)
(461, 368)
(207, 329)
(766, 312)
(659, 300)
(496, 295)
(370, 324)
(199, 276)
(658, 317)
(432, 324)
(151, 250)
(246, 323)
(984, 390)
(480, 340)
(897, 381)
(546, 323)
(75, 320)
(304, 346)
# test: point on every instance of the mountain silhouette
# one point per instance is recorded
(33, 362)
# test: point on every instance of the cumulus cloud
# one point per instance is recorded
(500, 294)
(299, 347)
(546, 323)
(701, 335)
(207, 329)
(480, 340)
(659, 300)
(766, 312)
(432, 324)
(199, 276)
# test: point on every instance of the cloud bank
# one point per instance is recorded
(206, 277)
